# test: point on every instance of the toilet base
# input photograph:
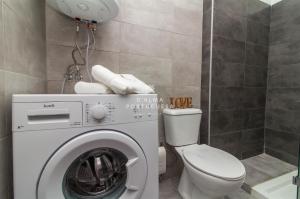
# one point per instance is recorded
(188, 190)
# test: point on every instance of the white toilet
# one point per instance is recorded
(209, 173)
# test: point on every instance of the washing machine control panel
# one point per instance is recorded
(99, 113)
(46, 112)
(107, 111)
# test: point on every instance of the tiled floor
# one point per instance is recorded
(259, 169)
(263, 168)
(168, 190)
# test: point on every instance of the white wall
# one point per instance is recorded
(271, 2)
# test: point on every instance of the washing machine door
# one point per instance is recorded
(95, 165)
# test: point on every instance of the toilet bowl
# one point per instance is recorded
(209, 173)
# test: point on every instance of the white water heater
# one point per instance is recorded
(96, 11)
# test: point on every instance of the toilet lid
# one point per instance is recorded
(214, 162)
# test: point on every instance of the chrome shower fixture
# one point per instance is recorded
(81, 54)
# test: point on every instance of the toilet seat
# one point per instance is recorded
(214, 162)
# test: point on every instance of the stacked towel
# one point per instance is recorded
(114, 81)
(138, 86)
(91, 88)
(120, 84)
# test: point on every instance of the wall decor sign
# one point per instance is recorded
(181, 102)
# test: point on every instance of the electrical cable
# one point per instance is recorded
(87, 57)
(63, 86)
(94, 43)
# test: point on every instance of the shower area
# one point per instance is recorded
(250, 92)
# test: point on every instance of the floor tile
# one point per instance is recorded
(262, 168)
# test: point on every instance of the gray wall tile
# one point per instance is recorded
(252, 142)
(3, 131)
(206, 48)
(188, 21)
(1, 37)
(206, 5)
(55, 87)
(145, 41)
(257, 33)
(154, 71)
(254, 97)
(234, 53)
(283, 11)
(256, 76)
(186, 48)
(157, 14)
(256, 55)
(283, 120)
(285, 32)
(5, 168)
(204, 129)
(226, 121)
(259, 11)
(205, 72)
(206, 24)
(60, 57)
(183, 17)
(252, 152)
(285, 53)
(23, 60)
(228, 142)
(206, 36)
(284, 98)
(227, 98)
(282, 145)
(239, 73)
(204, 98)
(282, 155)
(227, 74)
(29, 12)
(254, 118)
(282, 107)
(18, 38)
(60, 29)
(233, 7)
(14, 43)
(108, 36)
(229, 26)
(284, 76)
(186, 73)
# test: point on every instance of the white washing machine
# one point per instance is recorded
(85, 147)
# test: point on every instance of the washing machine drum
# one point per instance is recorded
(96, 165)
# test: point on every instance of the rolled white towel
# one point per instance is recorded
(114, 81)
(91, 88)
(138, 86)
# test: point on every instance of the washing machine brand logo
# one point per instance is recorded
(49, 105)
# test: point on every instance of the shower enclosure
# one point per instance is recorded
(251, 82)
(296, 180)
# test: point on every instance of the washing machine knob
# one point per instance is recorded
(98, 112)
